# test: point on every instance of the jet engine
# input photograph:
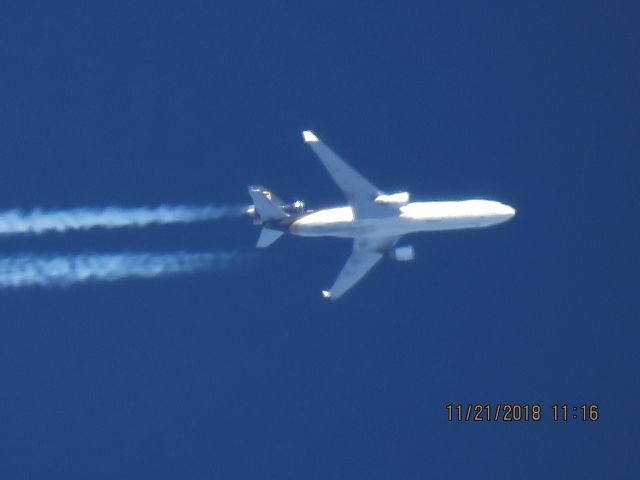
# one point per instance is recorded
(400, 198)
(294, 209)
(403, 254)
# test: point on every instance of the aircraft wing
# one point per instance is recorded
(359, 191)
(366, 253)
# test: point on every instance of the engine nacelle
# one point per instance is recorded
(400, 198)
(295, 207)
(403, 254)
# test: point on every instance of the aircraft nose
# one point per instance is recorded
(507, 211)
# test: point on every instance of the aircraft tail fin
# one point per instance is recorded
(267, 237)
(265, 206)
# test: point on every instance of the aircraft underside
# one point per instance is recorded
(397, 225)
(374, 220)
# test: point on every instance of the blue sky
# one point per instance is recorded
(247, 373)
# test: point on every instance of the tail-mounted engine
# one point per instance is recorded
(294, 209)
(403, 254)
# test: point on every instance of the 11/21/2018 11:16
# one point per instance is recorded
(477, 412)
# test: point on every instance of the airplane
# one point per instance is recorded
(374, 220)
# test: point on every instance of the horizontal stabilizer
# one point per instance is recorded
(267, 237)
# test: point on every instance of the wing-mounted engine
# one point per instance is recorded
(400, 198)
(403, 254)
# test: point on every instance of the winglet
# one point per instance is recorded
(310, 137)
(326, 294)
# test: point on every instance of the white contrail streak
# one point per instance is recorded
(25, 270)
(39, 221)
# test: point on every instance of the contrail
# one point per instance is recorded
(25, 270)
(39, 221)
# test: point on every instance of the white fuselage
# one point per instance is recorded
(410, 218)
